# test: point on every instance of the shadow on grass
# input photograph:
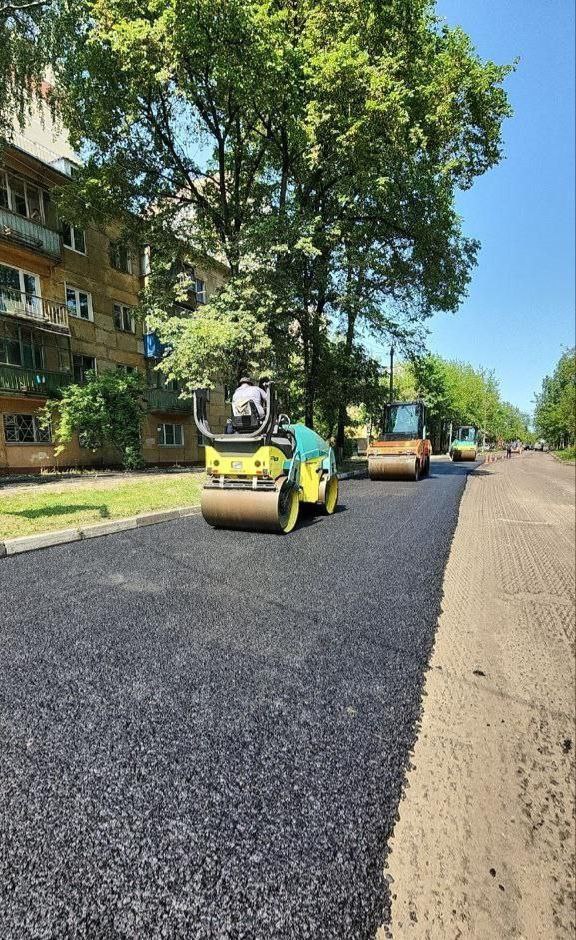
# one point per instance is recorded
(64, 510)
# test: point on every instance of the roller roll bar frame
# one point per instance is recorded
(264, 430)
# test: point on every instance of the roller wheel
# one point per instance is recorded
(426, 466)
(288, 506)
(328, 493)
(269, 511)
(416, 471)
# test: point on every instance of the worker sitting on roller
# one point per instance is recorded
(246, 393)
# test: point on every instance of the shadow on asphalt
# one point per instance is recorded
(310, 515)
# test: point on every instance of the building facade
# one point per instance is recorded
(66, 307)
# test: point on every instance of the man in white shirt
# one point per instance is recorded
(245, 393)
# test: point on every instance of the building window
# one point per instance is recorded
(74, 238)
(79, 303)
(127, 370)
(82, 365)
(170, 435)
(10, 349)
(120, 257)
(19, 292)
(200, 291)
(124, 319)
(25, 429)
(33, 349)
(156, 379)
(21, 197)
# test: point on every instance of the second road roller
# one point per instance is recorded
(465, 444)
(402, 451)
(263, 468)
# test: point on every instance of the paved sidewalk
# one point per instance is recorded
(484, 845)
(98, 479)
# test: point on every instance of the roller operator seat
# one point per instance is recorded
(245, 417)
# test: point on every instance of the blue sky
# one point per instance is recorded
(520, 308)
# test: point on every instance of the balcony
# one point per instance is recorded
(164, 399)
(32, 381)
(29, 234)
(44, 313)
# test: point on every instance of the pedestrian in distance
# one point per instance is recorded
(508, 451)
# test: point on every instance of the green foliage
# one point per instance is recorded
(219, 342)
(555, 415)
(24, 54)
(104, 412)
(338, 133)
(457, 392)
(568, 454)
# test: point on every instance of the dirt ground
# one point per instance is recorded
(484, 846)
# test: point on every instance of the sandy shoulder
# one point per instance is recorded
(484, 846)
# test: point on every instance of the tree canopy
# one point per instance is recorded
(25, 52)
(457, 393)
(555, 414)
(314, 147)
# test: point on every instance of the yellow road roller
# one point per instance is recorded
(465, 444)
(263, 468)
(403, 451)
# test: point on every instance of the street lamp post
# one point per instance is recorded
(391, 374)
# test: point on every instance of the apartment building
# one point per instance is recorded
(66, 307)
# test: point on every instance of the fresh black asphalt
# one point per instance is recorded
(203, 734)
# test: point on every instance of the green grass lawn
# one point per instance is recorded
(65, 507)
(568, 454)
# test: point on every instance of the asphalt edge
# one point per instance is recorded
(31, 543)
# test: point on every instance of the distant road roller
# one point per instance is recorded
(465, 445)
(263, 469)
(403, 451)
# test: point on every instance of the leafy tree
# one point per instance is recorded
(555, 415)
(104, 412)
(458, 393)
(337, 133)
(24, 54)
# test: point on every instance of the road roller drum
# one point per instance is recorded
(393, 468)
(273, 509)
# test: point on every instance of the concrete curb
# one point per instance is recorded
(30, 543)
(353, 474)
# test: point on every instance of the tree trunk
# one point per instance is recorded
(351, 315)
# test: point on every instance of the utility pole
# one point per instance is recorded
(391, 374)
(485, 408)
